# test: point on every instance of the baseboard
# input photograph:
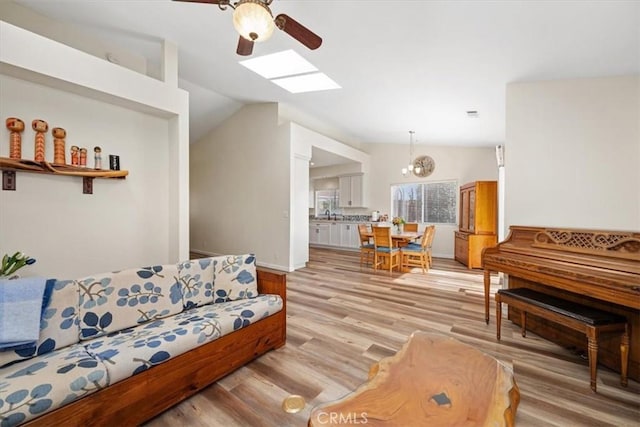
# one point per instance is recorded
(273, 266)
(297, 267)
(445, 256)
(202, 252)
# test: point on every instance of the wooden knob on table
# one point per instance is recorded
(16, 126)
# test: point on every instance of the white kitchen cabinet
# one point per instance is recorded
(319, 234)
(334, 234)
(351, 192)
(349, 236)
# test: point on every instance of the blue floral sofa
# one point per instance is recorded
(119, 348)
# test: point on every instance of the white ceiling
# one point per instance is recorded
(403, 65)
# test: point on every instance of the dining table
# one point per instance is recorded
(401, 238)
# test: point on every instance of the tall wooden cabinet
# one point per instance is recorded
(478, 221)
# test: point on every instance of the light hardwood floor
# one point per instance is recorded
(342, 318)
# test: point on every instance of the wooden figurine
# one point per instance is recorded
(97, 157)
(75, 155)
(83, 157)
(59, 135)
(16, 126)
(40, 126)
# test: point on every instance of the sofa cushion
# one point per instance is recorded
(33, 387)
(195, 278)
(234, 277)
(58, 325)
(234, 315)
(134, 350)
(110, 302)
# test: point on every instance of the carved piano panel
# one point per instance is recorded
(592, 267)
(601, 243)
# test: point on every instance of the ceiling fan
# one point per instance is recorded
(255, 23)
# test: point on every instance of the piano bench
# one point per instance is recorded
(588, 320)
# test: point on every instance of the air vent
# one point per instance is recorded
(472, 114)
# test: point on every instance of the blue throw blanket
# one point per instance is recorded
(22, 303)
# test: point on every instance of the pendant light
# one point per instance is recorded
(406, 171)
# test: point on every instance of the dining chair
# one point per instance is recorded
(366, 247)
(411, 227)
(419, 255)
(431, 231)
(384, 249)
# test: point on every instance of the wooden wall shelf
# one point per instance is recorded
(10, 166)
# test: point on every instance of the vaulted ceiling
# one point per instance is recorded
(403, 65)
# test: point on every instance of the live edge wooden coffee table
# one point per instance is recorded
(434, 380)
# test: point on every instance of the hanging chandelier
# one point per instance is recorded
(406, 171)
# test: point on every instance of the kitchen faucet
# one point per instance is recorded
(328, 213)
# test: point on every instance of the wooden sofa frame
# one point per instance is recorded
(145, 395)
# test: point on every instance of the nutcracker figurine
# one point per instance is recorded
(59, 135)
(16, 126)
(40, 126)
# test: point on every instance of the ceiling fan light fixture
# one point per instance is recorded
(252, 19)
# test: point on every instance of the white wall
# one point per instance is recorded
(452, 163)
(141, 220)
(240, 188)
(250, 186)
(123, 223)
(572, 156)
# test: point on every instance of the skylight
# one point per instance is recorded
(307, 83)
(290, 71)
(280, 64)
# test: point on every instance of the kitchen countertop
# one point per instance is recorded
(327, 221)
(344, 221)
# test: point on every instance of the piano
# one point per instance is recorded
(592, 267)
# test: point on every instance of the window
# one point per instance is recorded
(327, 200)
(431, 202)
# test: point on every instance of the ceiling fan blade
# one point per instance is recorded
(206, 1)
(245, 47)
(298, 31)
